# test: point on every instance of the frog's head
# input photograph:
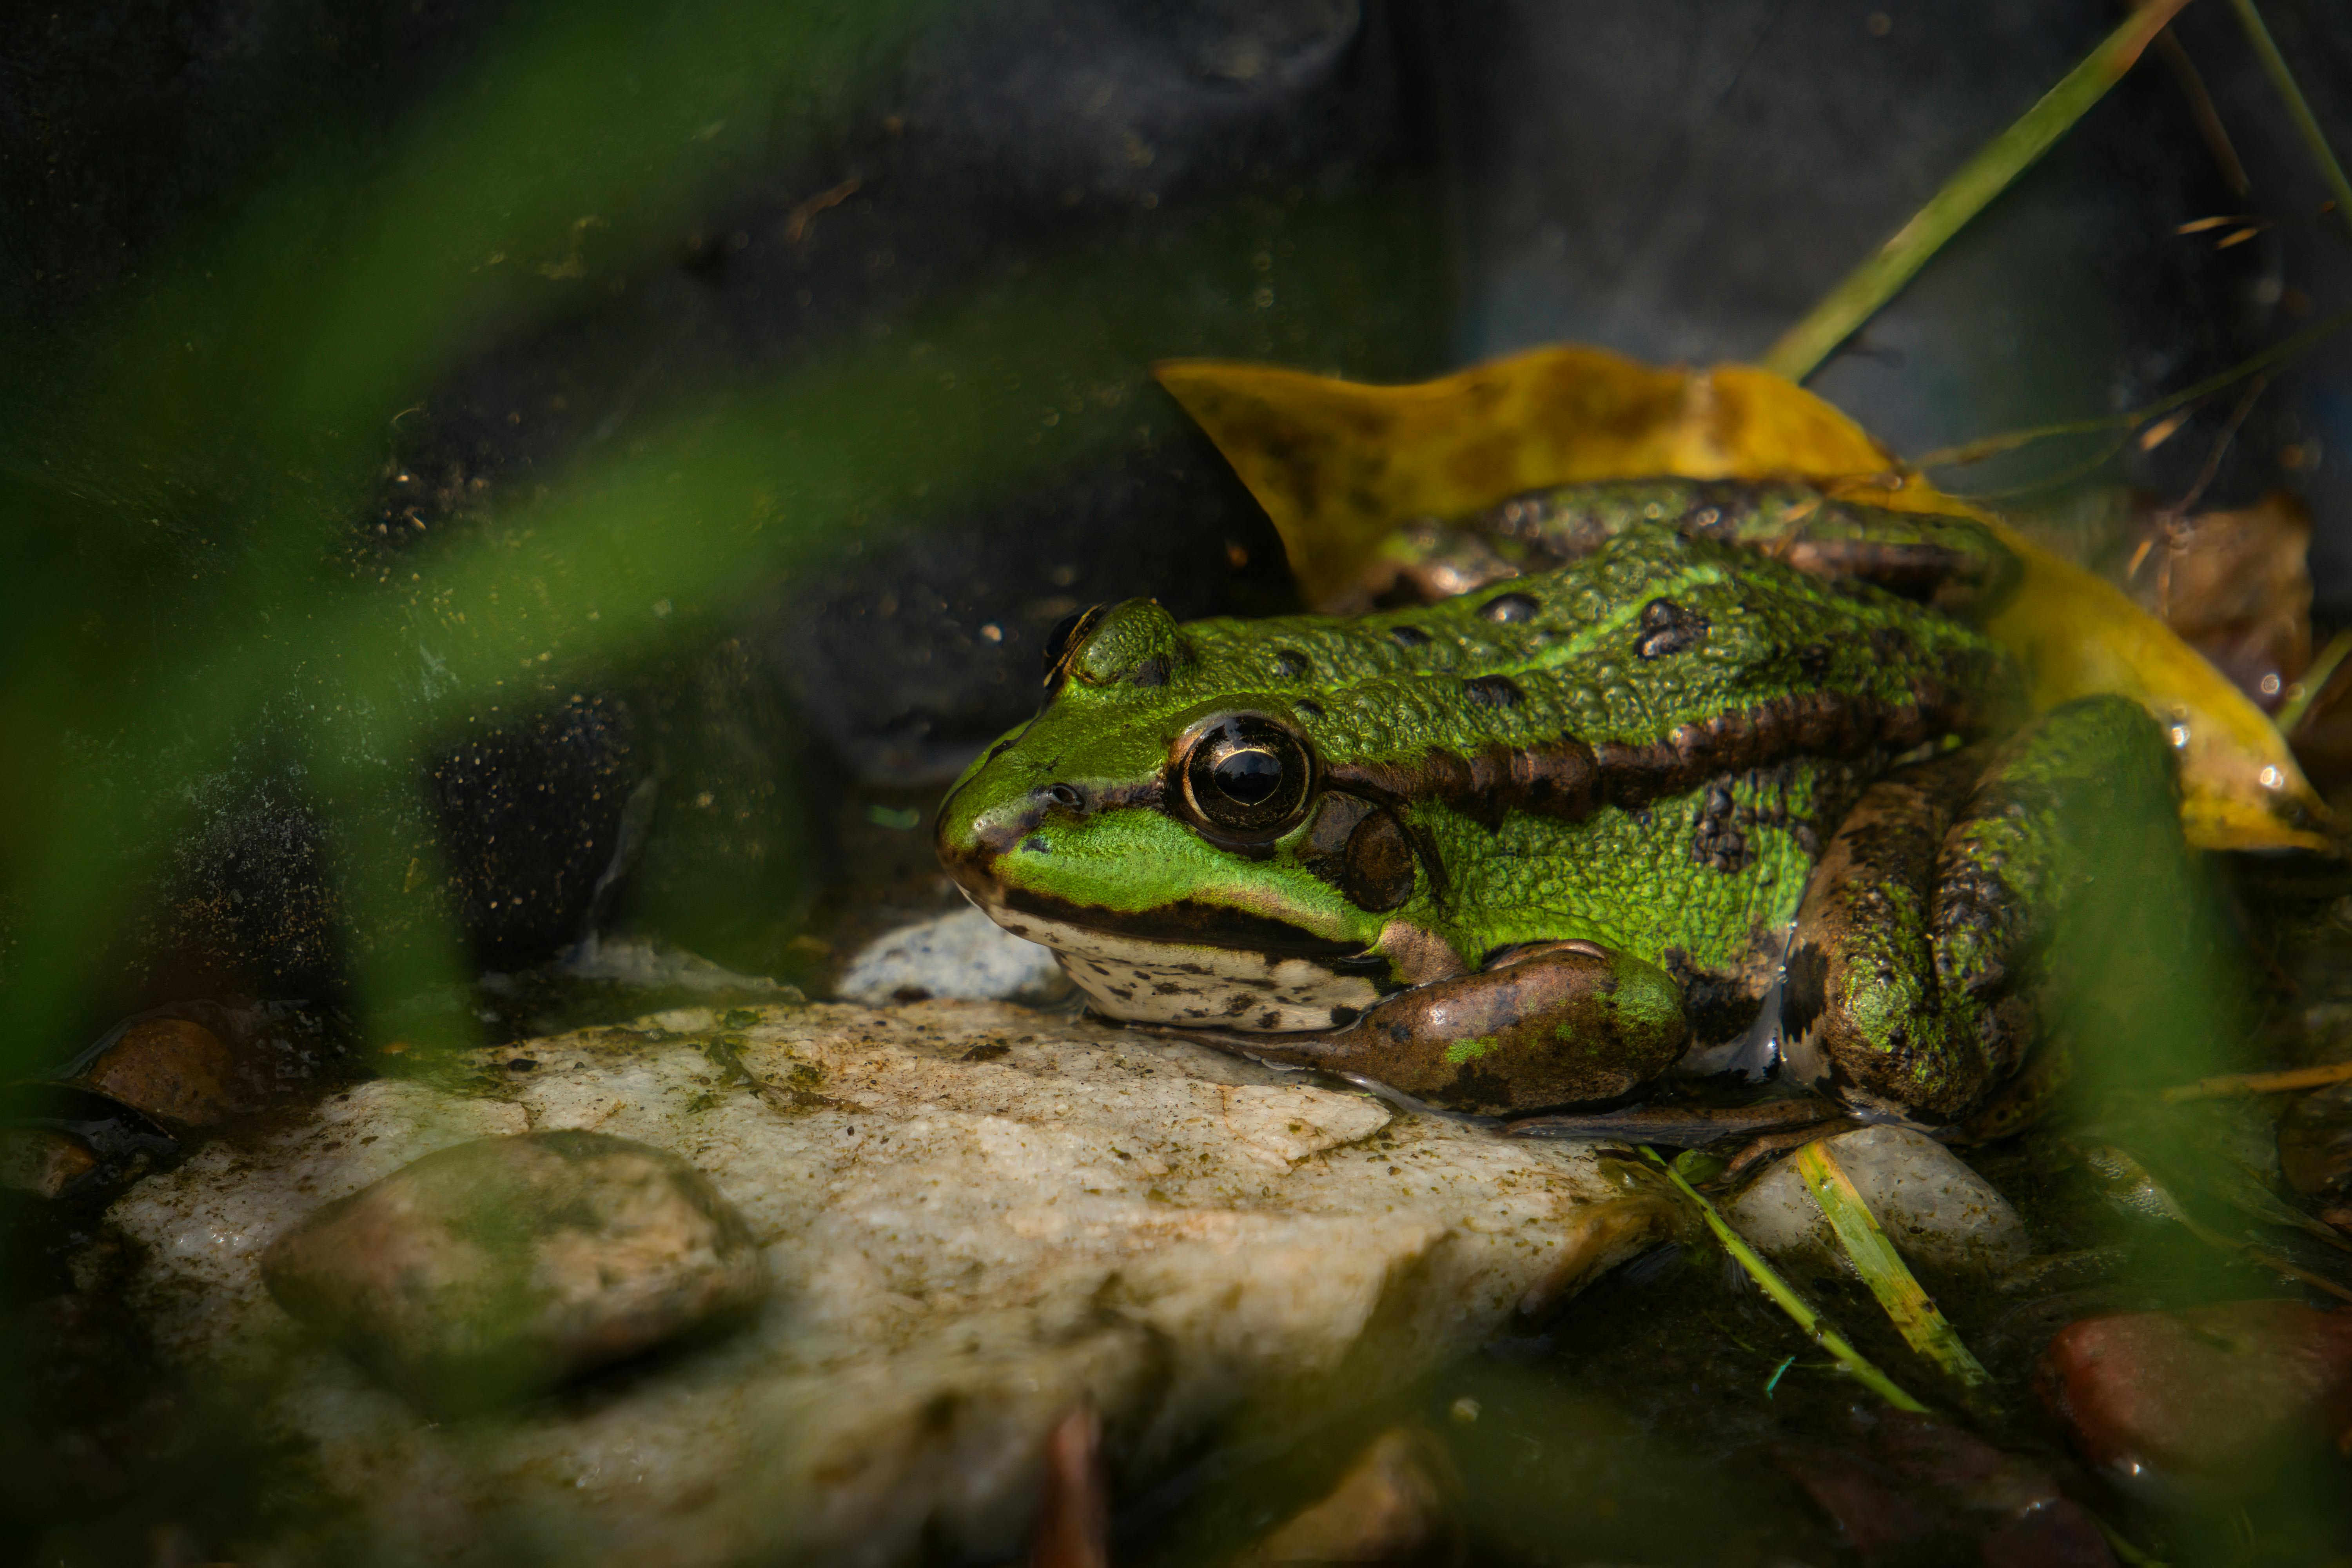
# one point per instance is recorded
(1165, 829)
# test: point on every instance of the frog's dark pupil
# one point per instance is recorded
(1249, 777)
(1246, 774)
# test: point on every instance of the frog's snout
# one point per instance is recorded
(972, 835)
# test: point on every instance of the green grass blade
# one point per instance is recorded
(1804, 347)
(1783, 1296)
(1924, 1328)
(2266, 48)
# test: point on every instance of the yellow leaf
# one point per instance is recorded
(2077, 633)
(1339, 465)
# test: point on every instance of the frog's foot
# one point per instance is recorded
(1916, 981)
(1554, 1024)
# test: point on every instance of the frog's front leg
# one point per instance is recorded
(1553, 1023)
(1916, 978)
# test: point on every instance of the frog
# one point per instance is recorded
(1713, 761)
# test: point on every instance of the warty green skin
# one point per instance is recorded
(1073, 813)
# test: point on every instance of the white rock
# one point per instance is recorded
(1938, 1213)
(976, 1216)
(964, 956)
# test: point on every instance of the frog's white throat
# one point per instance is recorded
(1194, 984)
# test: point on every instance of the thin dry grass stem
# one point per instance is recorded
(2007, 441)
(2264, 1258)
(2236, 1085)
(1840, 313)
(2221, 445)
(1769, 1280)
(2201, 109)
(1916, 1316)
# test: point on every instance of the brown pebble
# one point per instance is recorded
(41, 1161)
(168, 1068)
(2206, 1399)
(502, 1266)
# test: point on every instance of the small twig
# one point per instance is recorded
(1809, 1321)
(1842, 312)
(2263, 1258)
(2230, 1086)
(1924, 1328)
(2221, 445)
(1775, 1142)
(1682, 1126)
(797, 221)
(2266, 48)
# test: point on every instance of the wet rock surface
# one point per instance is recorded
(2209, 1400)
(977, 1217)
(503, 1266)
(1938, 1213)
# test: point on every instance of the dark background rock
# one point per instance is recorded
(1684, 181)
(1677, 181)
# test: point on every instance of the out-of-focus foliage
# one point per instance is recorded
(1337, 465)
(182, 476)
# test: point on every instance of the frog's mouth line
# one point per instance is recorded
(1196, 984)
(1184, 923)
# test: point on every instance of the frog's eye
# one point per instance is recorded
(1247, 774)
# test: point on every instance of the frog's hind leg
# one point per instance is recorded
(1918, 978)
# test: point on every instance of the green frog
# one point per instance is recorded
(1693, 763)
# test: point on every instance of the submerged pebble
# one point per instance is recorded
(2207, 1399)
(1938, 1213)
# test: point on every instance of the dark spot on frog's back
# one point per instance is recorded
(1309, 709)
(1492, 692)
(1408, 637)
(1343, 1017)
(1289, 664)
(1814, 660)
(1666, 627)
